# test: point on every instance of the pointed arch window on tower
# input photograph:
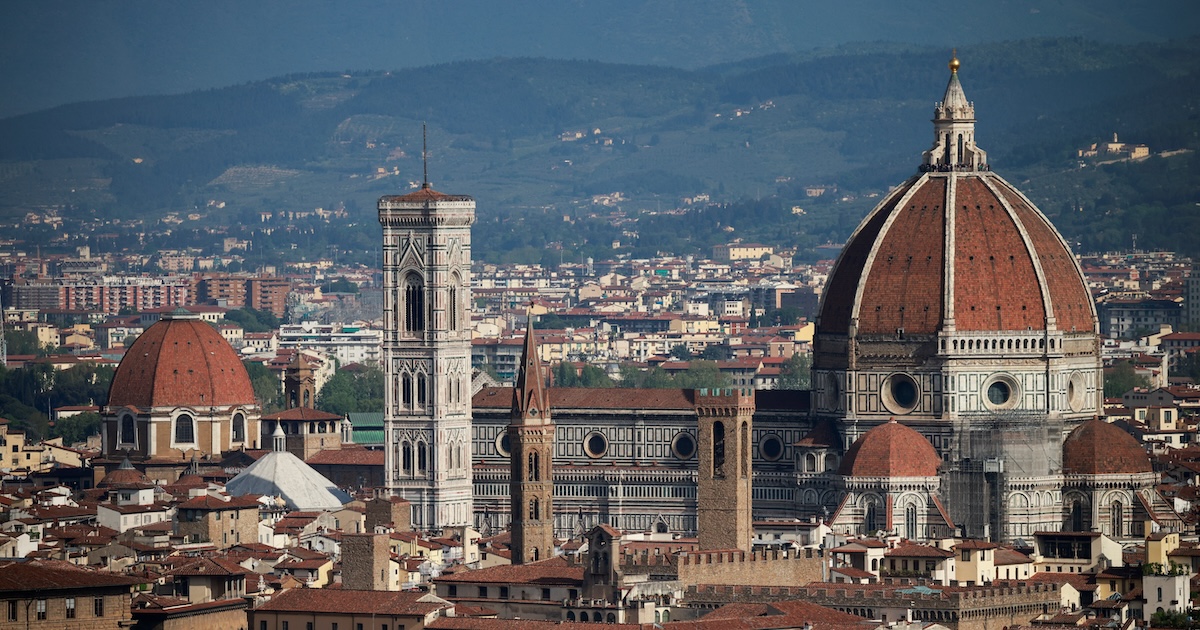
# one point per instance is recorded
(414, 303)
(910, 522)
(745, 444)
(406, 464)
(406, 396)
(946, 152)
(453, 311)
(534, 467)
(718, 449)
(422, 388)
(960, 149)
(422, 458)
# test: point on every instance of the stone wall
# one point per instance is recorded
(761, 568)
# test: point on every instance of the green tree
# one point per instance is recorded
(1121, 378)
(267, 387)
(796, 372)
(24, 342)
(681, 352)
(339, 285)
(565, 375)
(703, 375)
(349, 392)
(593, 376)
(716, 352)
(77, 428)
(252, 320)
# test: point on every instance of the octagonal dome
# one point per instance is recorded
(891, 450)
(1099, 448)
(180, 361)
(955, 247)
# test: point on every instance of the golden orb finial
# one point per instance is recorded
(954, 61)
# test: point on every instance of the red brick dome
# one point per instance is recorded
(891, 450)
(965, 246)
(181, 361)
(1099, 448)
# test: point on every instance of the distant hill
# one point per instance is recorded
(534, 139)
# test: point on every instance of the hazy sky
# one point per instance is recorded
(53, 52)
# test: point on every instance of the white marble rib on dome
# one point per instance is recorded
(282, 474)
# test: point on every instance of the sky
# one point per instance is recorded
(60, 51)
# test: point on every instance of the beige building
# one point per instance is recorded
(222, 520)
(297, 608)
(741, 251)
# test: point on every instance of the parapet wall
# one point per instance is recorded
(760, 568)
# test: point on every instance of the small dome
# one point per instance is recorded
(891, 450)
(124, 477)
(181, 361)
(281, 474)
(1099, 448)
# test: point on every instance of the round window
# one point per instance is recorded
(900, 393)
(502, 444)
(770, 447)
(1076, 392)
(683, 446)
(998, 393)
(595, 444)
(1001, 392)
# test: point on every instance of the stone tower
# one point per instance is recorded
(299, 384)
(723, 495)
(366, 563)
(531, 436)
(427, 353)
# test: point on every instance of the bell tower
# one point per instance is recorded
(723, 486)
(299, 384)
(531, 436)
(427, 353)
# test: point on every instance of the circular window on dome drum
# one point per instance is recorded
(502, 444)
(1001, 392)
(900, 393)
(595, 444)
(1076, 392)
(770, 447)
(683, 446)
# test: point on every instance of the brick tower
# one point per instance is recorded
(723, 495)
(299, 384)
(427, 354)
(531, 436)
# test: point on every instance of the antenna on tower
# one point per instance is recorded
(425, 156)
(3, 340)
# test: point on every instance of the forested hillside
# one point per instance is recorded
(533, 140)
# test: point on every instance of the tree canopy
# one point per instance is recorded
(352, 392)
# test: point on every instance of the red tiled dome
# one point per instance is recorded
(891, 450)
(180, 361)
(1099, 448)
(1006, 268)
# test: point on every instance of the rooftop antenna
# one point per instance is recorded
(425, 155)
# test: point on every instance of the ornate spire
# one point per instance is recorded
(954, 130)
(530, 399)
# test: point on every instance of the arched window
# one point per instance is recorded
(1116, 517)
(960, 148)
(946, 153)
(533, 555)
(570, 615)
(414, 303)
(533, 467)
(406, 394)
(745, 449)
(718, 449)
(871, 522)
(407, 462)
(453, 310)
(185, 431)
(612, 618)
(239, 427)
(307, 399)
(421, 389)
(1076, 516)
(810, 462)
(535, 510)
(422, 458)
(128, 430)
(910, 522)
(583, 616)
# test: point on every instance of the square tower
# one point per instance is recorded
(723, 486)
(427, 354)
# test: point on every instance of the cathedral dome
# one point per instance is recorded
(1099, 448)
(955, 247)
(180, 361)
(891, 450)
